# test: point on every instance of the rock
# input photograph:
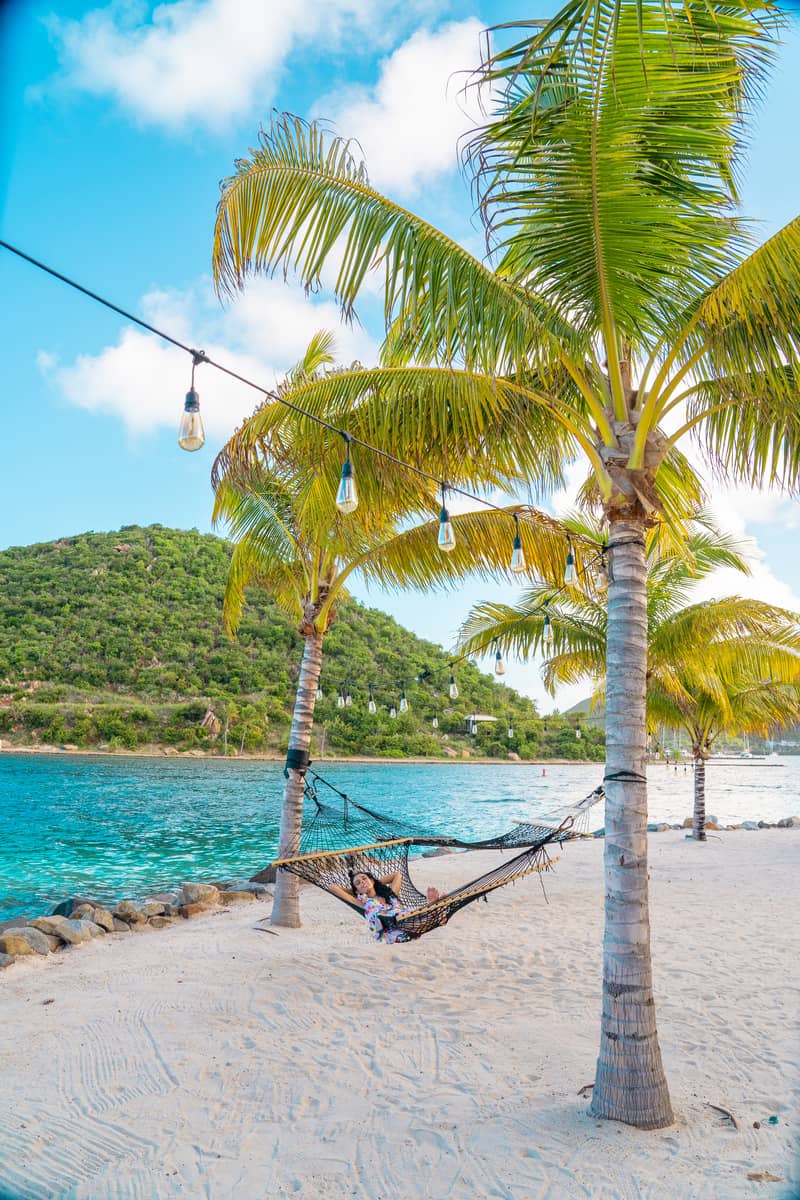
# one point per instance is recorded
(121, 926)
(152, 908)
(51, 926)
(6, 960)
(92, 929)
(512, 756)
(268, 875)
(55, 943)
(437, 853)
(688, 822)
(162, 898)
(789, 823)
(192, 910)
(23, 941)
(235, 897)
(65, 908)
(712, 825)
(450, 752)
(465, 754)
(198, 893)
(160, 922)
(764, 825)
(127, 911)
(657, 827)
(257, 889)
(676, 827)
(83, 910)
(170, 751)
(104, 919)
(74, 932)
(712, 820)
(749, 825)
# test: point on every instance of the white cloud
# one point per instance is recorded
(409, 123)
(142, 380)
(199, 61)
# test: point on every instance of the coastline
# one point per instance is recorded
(201, 756)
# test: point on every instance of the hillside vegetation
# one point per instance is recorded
(115, 640)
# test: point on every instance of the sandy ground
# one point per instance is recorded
(213, 1060)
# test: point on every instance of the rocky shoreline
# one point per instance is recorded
(78, 919)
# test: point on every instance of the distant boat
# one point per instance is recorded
(761, 760)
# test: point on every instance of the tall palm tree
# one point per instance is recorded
(621, 296)
(276, 486)
(718, 666)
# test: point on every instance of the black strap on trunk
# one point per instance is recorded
(296, 760)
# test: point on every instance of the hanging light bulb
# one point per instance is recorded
(348, 700)
(372, 706)
(511, 731)
(518, 564)
(499, 663)
(347, 495)
(403, 701)
(547, 634)
(435, 722)
(191, 434)
(320, 693)
(578, 734)
(393, 712)
(340, 699)
(569, 570)
(453, 688)
(447, 539)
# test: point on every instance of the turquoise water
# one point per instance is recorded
(111, 828)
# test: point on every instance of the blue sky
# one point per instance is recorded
(119, 121)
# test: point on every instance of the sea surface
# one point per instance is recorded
(111, 828)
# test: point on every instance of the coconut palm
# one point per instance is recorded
(621, 298)
(276, 486)
(724, 665)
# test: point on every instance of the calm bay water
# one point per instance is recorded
(110, 828)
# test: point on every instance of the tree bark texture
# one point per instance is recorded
(699, 815)
(630, 1084)
(286, 905)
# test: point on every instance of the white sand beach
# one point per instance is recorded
(213, 1060)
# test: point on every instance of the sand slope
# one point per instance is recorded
(212, 1060)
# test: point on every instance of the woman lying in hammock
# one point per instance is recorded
(379, 898)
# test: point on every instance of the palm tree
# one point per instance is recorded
(276, 484)
(718, 666)
(620, 297)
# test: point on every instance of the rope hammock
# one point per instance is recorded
(343, 838)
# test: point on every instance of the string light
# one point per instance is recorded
(191, 435)
(372, 706)
(347, 495)
(403, 701)
(601, 571)
(499, 663)
(348, 700)
(569, 570)
(435, 722)
(393, 712)
(446, 539)
(510, 731)
(340, 699)
(453, 688)
(320, 693)
(347, 490)
(518, 564)
(578, 734)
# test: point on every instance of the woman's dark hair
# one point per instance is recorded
(381, 889)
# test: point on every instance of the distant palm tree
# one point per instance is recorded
(276, 484)
(622, 308)
(729, 665)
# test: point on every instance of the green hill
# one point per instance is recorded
(115, 640)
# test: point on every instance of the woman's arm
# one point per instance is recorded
(393, 881)
(343, 895)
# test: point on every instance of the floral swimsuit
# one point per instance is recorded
(374, 909)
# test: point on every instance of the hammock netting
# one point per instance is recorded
(344, 837)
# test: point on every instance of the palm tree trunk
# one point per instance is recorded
(630, 1084)
(699, 816)
(286, 905)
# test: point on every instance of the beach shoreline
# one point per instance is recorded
(210, 1058)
